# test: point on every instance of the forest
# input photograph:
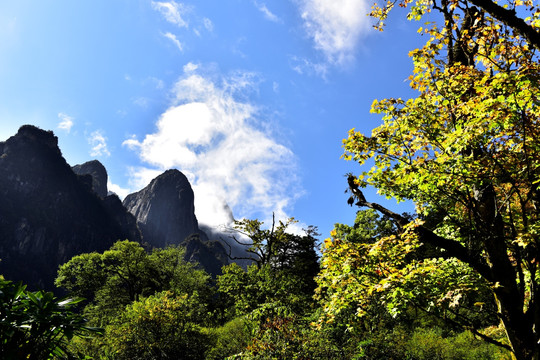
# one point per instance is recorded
(458, 279)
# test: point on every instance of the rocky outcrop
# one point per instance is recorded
(165, 213)
(47, 212)
(164, 209)
(98, 175)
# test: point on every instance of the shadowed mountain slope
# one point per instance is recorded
(48, 214)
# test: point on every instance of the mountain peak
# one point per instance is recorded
(98, 173)
(165, 209)
(165, 213)
(38, 136)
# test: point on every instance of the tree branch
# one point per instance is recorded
(510, 18)
(229, 254)
(452, 248)
(468, 326)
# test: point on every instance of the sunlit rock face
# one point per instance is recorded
(165, 213)
(48, 214)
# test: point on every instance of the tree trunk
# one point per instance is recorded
(519, 329)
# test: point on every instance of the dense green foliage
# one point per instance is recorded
(161, 326)
(146, 301)
(127, 273)
(281, 281)
(263, 312)
(37, 325)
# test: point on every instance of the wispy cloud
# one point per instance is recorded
(208, 25)
(98, 142)
(141, 101)
(172, 11)
(237, 45)
(221, 144)
(158, 83)
(304, 66)
(66, 122)
(175, 41)
(267, 13)
(336, 26)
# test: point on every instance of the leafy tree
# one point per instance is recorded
(125, 273)
(273, 246)
(260, 292)
(359, 305)
(152, 305)
(161, 326)
(277, 288)
(230, 339)
(347, 265)
(280, 250)
(282, 277)
(466, 152)
(37, 325)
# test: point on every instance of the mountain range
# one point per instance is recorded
(51, 211)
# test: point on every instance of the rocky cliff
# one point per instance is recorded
(98, 176)
(48, 214)
(165, 213)
(164, 209)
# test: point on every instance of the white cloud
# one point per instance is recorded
(190, 67)
(208, 25)
(267, 13)
(173, 38)
(66, 122)
(172, 12)
(120, 191)
(98, 142)
(336, 26)
(220, 144)
(139, 177)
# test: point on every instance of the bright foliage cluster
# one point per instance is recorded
(466, 151)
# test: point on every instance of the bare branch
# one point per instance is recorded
(229, 254)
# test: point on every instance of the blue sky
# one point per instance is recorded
(249, 98)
